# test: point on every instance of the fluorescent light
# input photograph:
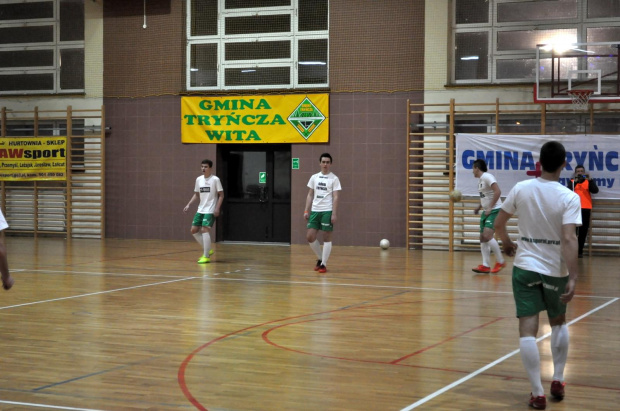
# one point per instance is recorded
(470, 58)
(248, 71)
(193, 69)
(313, 63)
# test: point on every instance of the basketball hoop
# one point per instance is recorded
(580, 98)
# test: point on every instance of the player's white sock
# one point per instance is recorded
(559, 350)
(316, 247)
(531, 361)
(206, 239)
(495, 248)
(486, 254)
(327, 249)
(198, 237)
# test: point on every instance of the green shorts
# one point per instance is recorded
(320, 220)
(203, 220)
(487, 221)
(535, 292)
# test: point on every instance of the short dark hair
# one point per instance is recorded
(552, 156)
(208, 162)
(580, 166)
(326, 155)
(481, 164)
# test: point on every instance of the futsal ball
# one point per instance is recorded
(456, 196)
(385, 244)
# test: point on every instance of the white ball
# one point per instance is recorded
(456, 196)
(385, 244)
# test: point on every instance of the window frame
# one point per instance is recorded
(55, 45)
(221, 39)
(581, 23)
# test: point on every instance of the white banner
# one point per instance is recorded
(513, 158)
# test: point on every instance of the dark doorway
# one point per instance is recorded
(257, 192)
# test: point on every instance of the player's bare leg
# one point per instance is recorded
(7, 280)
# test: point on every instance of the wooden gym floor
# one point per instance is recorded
(136, 325)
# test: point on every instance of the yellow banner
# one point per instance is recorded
(28, 158)
(295, 118)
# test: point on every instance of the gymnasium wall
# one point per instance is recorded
(376, 64)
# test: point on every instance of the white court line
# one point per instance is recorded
(95, 273)
(398, 287)
(494, 363)
(97, 293)
(57, 407)
(207, 276)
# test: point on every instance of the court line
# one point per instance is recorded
(207, 276)
(56, 407)
(95, 273)
(97, 293)
(398, 287)
(498, 361)
(81, 377)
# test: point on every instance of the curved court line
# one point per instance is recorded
(494, 363)
(394, 362)
(188, 359)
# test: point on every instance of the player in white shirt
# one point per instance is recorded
(490, 204)
(7, 280)
(545, 267)
(321, 210)
(208, 190)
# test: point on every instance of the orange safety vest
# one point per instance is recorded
(583, 191)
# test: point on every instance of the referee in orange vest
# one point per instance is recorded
(584, 186)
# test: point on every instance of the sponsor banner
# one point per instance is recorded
(28, 158)
(293, 118)
(513, 158)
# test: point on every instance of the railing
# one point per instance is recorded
(433, 221)
(74, 207)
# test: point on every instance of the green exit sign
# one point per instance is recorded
(295, 164)
(262, 177)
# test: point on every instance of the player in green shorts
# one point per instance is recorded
(321, 210)
(489, 203)
(545, 266)
(208, 190)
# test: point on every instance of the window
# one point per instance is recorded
(257, 44)
(41, 46)
(494, 41)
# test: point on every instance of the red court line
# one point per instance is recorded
(188, 359)
(446, 340)
(394, 362)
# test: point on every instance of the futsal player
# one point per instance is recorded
(490, 204)
(208, 190)
(321, 210)
(545, 267)
(7, 280)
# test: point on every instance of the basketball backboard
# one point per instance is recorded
(578, 66)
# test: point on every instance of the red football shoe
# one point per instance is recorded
(498, 267)
(557, 389)
(538, 403)
(481, 269)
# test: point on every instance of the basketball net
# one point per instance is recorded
(580, 98)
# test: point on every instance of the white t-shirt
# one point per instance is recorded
(323, 185)
(486, 192)
(208, 189)
(3, 223)
(543, 207)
